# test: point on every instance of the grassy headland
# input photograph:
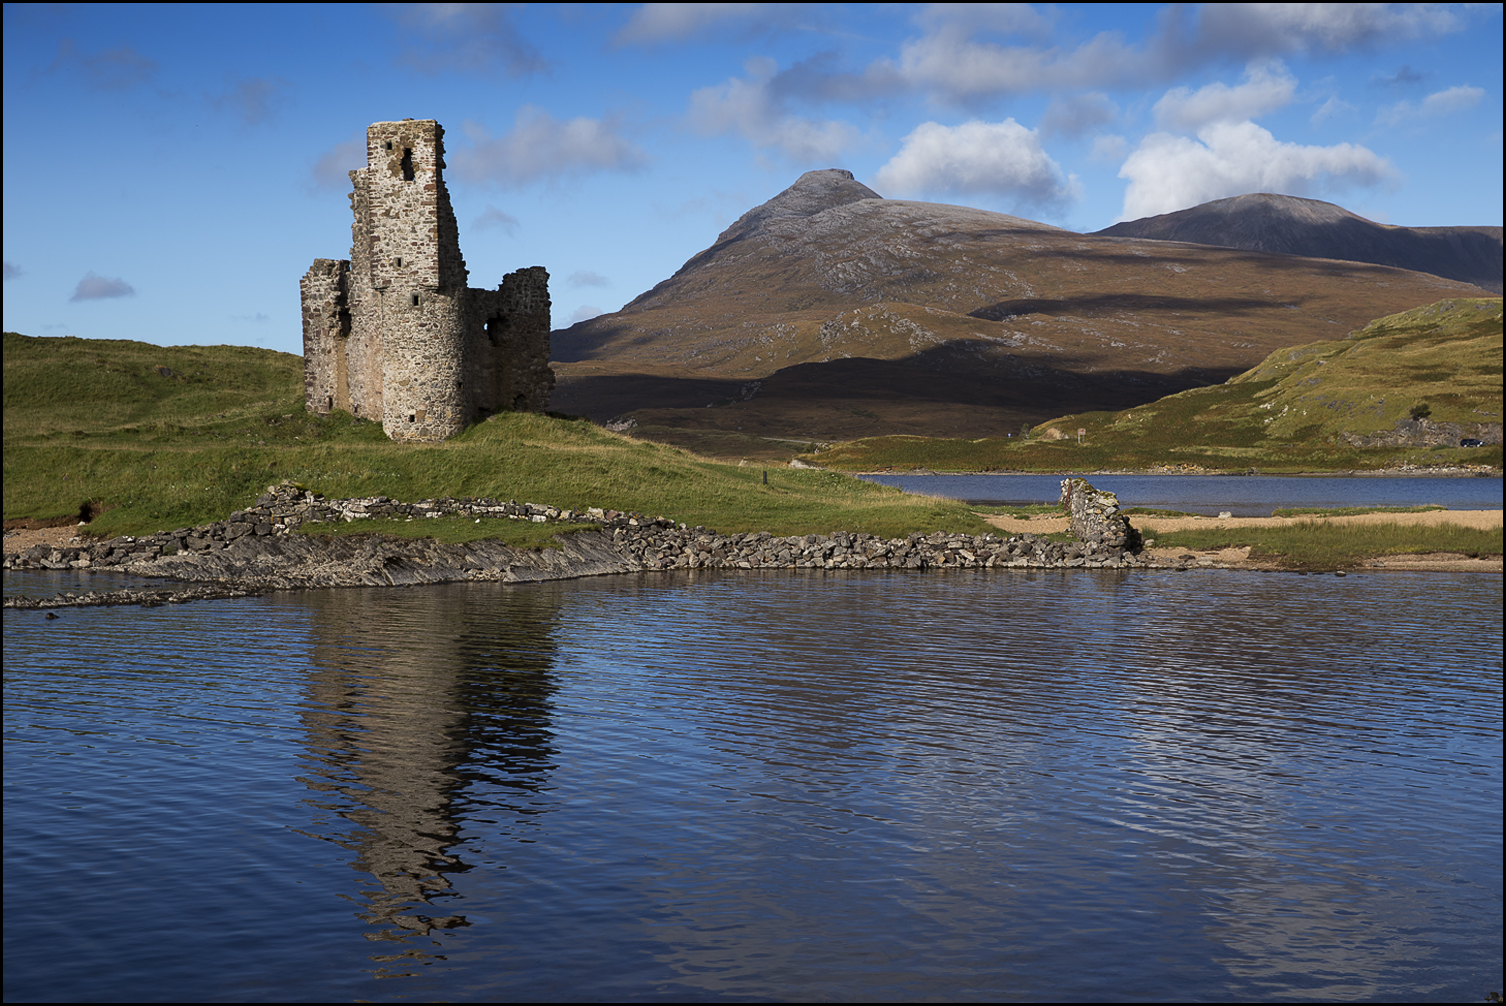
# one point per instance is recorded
(1309, 408)
(164, 437)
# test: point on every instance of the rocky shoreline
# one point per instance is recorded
(255, 550)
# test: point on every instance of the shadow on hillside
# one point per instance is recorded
(932, 393)
(1108, 303)
(1464, 254)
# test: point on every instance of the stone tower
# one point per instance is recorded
(394, 333)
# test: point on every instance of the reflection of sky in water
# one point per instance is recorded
(1243, 496)
(1036, 785)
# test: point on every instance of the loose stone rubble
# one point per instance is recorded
(254, 550)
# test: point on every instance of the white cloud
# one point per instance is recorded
(1266, 88)
(950, 62)
(751, 107)
(1011, 18)
(584, 313)
(674, 22)
(1454, 99)
(109, 70)
(994, 158)
(332, 169)
(469, 37)
(1333, 106)
(1168, 173)
(1269, 28)
(1108, 149)
(254, 99)
(495, 219)
(541, 146)
(94, 287)
(1404, 76)
(954, 60)
(584, 277)
(1078, 114)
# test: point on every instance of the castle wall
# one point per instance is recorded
(326, 327)
(410, 232)
(394, 333)
(423, 372)
(508, 348)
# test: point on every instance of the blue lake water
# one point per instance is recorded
(1243, 496)
(1017, 785)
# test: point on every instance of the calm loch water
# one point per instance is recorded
(1243, 496)
(1017, 785)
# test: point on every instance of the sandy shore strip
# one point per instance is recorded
(1481, 519)
(20, 541)
(1240, 557)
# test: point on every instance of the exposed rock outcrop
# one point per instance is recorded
(1426, 433)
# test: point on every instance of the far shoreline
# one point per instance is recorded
(1441, 473)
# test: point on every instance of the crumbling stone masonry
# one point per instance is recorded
(394, 333)
(1095, 516)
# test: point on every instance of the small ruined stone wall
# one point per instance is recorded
(1094, 516)
(508, 352)
(325, 292)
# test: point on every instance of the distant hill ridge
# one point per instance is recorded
(1291, 225)
(828, 312)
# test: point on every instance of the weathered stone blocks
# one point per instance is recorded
(1094, 516)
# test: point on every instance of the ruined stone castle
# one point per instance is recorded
(394, 333)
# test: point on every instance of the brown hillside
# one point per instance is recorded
(831, 313)
(1290, 225)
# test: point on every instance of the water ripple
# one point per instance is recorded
(1040, 785)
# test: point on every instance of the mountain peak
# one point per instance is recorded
(812, 193)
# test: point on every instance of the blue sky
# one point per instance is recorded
(170, 172)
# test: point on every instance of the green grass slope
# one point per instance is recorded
(162, 438)
(1323, 406)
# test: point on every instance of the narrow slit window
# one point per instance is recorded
(415, 300)
(407, 164)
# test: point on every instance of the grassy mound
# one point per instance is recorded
(1308, 408)
(160, 438)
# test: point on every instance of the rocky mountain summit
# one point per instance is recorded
(1290, 225)
(829, 312)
